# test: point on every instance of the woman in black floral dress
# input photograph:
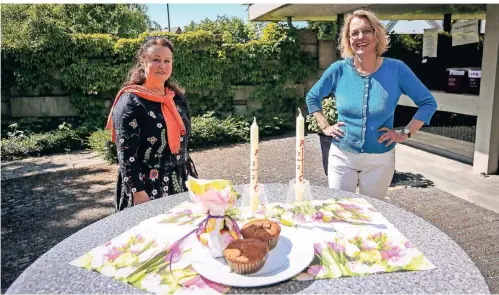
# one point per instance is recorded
(151, 125)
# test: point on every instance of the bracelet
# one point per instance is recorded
(322, 128)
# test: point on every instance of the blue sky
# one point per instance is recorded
(182, 14)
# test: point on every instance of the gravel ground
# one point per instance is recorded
(52, 163)
(45, 200)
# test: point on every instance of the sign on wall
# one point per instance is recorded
(465, 32)
(430, 42)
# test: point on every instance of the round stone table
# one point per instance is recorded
(455, 272)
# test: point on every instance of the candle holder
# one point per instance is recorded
(246, 200)
(299, 192)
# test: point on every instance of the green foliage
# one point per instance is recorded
(40, 24)
(277, 99)
(100, 142)
(122, 20)
(207, 131)
(274, 31)
(406, 47)
(220, 102)
(329, 111)
(325, 30)
(270, 124)
(19, 144)
(28, 23)
(232, 29)
(208, 64)
(91, 68)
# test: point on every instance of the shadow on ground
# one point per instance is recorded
(9, 170)
(408, 179)
(40, 211)
(49, 163)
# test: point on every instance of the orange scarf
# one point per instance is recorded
(175, 125)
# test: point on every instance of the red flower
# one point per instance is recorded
(153, 175)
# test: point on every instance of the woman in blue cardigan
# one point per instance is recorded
(367, 88)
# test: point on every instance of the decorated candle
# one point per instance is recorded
(300, 147)
(254, 202)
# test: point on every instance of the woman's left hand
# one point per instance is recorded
(391, 136)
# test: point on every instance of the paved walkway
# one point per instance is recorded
(451, 176)
(41, 209)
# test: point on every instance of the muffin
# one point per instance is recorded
(246, 256)
(264, 230)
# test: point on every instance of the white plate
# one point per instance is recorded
(292, 254)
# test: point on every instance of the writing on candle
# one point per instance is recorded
(299, 161)
(300, 151)
(254, 172)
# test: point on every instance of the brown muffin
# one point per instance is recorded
(264, 230)
(246, 256)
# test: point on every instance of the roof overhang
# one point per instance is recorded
(328, 12)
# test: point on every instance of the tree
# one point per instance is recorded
(116, 19)
(28, 23)
(256, 29)
(155, 26)
(325, 30)
(239, 31)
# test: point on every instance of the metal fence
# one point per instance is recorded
(452, 125)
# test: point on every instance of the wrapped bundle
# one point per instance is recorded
(216, 198)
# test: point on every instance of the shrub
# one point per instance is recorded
(19, 145)
(100, 142)
(329, 111)
(270, 124)
(207, 131)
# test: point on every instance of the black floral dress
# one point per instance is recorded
(145, 160)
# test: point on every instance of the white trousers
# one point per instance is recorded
(373, 173)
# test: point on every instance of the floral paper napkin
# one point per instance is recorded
(350, 238)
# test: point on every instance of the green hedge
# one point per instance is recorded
(207, 131)
(65, 139)
(92, 67)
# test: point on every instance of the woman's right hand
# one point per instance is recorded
(140, 197)
(334, 130)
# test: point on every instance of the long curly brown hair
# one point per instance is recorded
(137, 76)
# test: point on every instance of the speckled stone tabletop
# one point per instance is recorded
(455, 272)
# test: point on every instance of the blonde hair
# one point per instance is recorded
(382, 41)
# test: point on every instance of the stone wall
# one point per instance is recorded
(47, 106)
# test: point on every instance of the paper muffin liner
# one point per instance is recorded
(272, 242)
(246, 268)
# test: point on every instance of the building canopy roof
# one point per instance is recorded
(328, 12)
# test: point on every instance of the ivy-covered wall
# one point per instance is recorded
(91, 68)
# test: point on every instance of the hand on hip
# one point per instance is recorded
(334, 130)
(390, 136)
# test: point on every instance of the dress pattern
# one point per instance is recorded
(145, 160)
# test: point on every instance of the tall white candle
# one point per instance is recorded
(254, 201)
(300, 148)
